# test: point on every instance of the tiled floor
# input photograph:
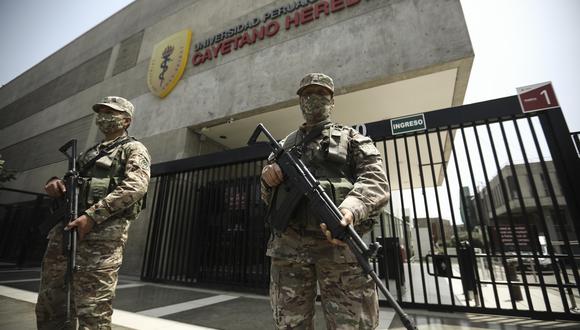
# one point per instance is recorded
(140, 305)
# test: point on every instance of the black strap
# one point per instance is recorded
(105, 151)
(314, 133)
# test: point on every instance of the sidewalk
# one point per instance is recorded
(141, 305)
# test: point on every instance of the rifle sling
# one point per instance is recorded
(103, 152)
(314, 133)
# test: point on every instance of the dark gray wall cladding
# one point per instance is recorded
(43, 149)
(128, 53)
(78, 79)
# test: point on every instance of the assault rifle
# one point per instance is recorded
(299, 179)
(72, 181)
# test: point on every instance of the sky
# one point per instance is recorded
(523, 42)
(516, 42)
(32, 30)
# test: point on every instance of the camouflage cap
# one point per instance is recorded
(116, 103)
(316, 79)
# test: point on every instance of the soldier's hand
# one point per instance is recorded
(55, 188)
(347, 219)
(272, 175)
(83, 224)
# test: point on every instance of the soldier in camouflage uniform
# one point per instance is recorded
(350, 169)
(109, 200)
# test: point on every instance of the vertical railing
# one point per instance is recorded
(21, 212)
(206, 222)
(576, 138)
(525, 242)
(514, 252)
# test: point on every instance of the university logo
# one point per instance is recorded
(168, 62)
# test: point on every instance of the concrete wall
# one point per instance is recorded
(366, 45)
(372, 43)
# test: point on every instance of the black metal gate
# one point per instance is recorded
(207, 221)
(485, 205)
(21, 214)
(483, 217)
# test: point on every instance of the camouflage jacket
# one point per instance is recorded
(112, 193)
(128, 166)
(370, 188)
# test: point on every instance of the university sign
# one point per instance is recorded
(168, 62)
(297, 13)
(170, 56)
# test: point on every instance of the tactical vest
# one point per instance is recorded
(329, 165)
(103, 177)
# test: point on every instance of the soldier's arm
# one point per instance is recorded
(371, 188)
(265, 192)
(130, 190)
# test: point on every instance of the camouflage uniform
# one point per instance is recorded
(112, 197)
(350, 169)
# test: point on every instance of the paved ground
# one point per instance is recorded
(141, 305)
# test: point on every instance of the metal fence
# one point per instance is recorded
(207, 222)
(21, 212)
(483, 214)
(490, 213)
(576, 139)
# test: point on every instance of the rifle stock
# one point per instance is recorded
(298, 177)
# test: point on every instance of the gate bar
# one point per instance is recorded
(524, 213)
(556, 206)
(509, 213)
(480, 209)
(415, 214)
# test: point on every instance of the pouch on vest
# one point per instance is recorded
(338, 145)
(105, 162)
(338, 189)
(100, 183)
(98, 189)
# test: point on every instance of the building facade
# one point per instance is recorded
(202, 74)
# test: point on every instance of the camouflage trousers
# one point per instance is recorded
(93, 285)
(349, 298)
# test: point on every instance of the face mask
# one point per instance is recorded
(109, 123)
(315, 108)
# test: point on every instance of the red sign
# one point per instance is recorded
(537, 97)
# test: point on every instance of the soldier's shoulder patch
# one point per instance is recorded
(369, 149)
(358, 138)
(143, 162)
(365, 145)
